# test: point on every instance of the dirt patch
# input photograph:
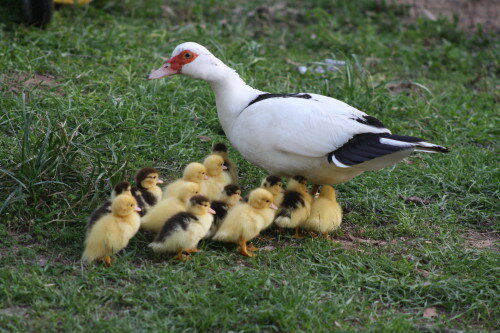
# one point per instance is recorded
(482, 240)
(469, 13)
(19, 82)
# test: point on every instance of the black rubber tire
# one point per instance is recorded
(38, 12)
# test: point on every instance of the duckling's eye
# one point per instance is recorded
(267, 201)
(187, 55)
(131, 205)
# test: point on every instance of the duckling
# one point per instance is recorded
(105, 208)
(221, 150)
(193, 172)
(274, 185)
(228, 198)
(296, 205)
(112, 232)
(165, 209)
(326, 213)
(217, 178)
(183, 231)
(147, 192)
(245, 221)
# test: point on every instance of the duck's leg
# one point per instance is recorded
(107, 261)
(314, 190)
(297, 233)
(193, 250)
(243, 248)
(326, 235)
(180, 256)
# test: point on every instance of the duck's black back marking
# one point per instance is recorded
(371, 121)
(292, 200)
(231, 189)
(121, 187)
(221, 209)
(273, 180)
(137, 193)
(102, 210)
(198, 199)
(367, 146)
(262, 97)
(179, 220)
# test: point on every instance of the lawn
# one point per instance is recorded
(417, 250)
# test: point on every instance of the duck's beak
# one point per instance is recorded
(165, 70)
(159, 181)
(205, 177)
(137, 209)
(273, 206)
(211, 211)
(224, 167)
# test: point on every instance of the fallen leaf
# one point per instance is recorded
(418, 200)
(430, 313)
(422, 272)
(204, 138)
(267, 248)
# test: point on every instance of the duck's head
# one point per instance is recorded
(188, 190)
(121, 188)
(190, 59)
(231, 194)
(199, 205)
(147, 178)
(328, 192)
(273, 184)
(195, 172)
(215, 165)
(261, 199)
(124, 205)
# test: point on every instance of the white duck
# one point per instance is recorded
(321, 138)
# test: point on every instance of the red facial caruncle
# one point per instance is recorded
(174, 65)
(185, 57)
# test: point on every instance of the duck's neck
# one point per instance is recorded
(232, 95)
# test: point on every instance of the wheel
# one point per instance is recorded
(38, 12)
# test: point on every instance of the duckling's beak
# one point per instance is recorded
(205, 177)
(224, 167)
(159, 181)
(137, 209)
(273, 206)
(211, 211)
(163, 71)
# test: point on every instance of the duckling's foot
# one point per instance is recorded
(251, 247)
(107, 261)
(194, 250)
(297, 234)
(265, 238)
(327, 236)
(243, 248)
(182, 257)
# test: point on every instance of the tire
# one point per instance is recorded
(38, 12)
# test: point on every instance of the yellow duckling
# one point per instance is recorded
(183, 231)
(221, 150)
(165, 209)
(147, 192)
(105, 208)
(217, 178)
(228, 198)
(112, 232)
(274, 185)
(326, 213)
(193, 172)
(245, 221)
(296, 205)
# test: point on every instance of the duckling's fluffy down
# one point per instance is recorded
(243, 222)
(326, 216)
(109, 235)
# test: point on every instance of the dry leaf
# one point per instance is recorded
(204, 138)
(430, 313)
(267, 248)
(418, 200)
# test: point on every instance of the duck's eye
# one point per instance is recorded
(187, 55)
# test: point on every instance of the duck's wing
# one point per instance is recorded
(315, 126)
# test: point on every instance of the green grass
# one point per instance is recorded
(64, 145)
